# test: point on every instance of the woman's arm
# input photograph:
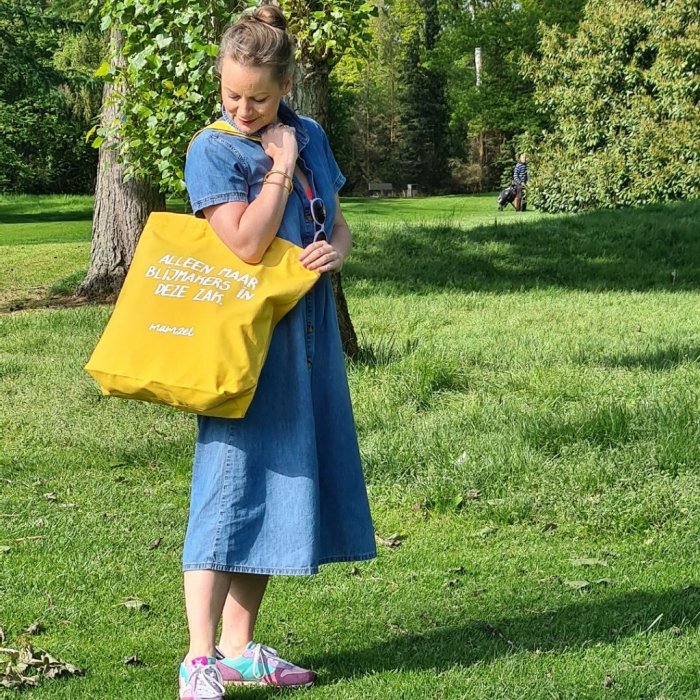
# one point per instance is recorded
(323, 256)
(248, 229)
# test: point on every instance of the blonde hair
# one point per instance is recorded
(259, 38)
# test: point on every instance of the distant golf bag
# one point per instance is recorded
(508, 196)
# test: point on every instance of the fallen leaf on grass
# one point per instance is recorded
(488, 531)
(585, 585)
(291, 638)
(136, 604)
(452, 583)
(133, 661)
(608, 682)
(460, 571)
(354, 571)
(51, 496)
(4, 549)
(2, 635)
(550, 527)
(422, 508)
(26, 667)
(393, 541)
(35, 628)
(578, 585)
(156, 543)
(397, 628)
(589, 562)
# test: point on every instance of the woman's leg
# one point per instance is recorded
(245, 594)
(205, 594)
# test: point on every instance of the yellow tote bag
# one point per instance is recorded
(193, 322)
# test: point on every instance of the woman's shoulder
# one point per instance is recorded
(312, 127)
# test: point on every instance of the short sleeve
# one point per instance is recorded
(337, 177)
(215, 173)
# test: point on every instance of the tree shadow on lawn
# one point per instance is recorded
(661, 360)
(573, 626)
(81, 214)
(651, 248)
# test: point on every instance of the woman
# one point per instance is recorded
(280, 491)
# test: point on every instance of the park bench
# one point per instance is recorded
(381, 188)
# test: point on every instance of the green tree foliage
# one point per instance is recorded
(171, 89)
(424, 114)
(380, 93)
(484, 116)
(365, 127)
(623, 96)
(167, 86)
(46, 103)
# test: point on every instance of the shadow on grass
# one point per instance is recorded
(38, 217)
(642, 249)
(659, 360)
(591, 621)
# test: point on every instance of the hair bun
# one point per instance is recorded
(271, 15)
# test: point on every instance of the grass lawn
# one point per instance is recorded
(527, 406)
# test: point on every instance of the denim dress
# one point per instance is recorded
(280, 491)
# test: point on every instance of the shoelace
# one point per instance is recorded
(206, 682)
(260, 669)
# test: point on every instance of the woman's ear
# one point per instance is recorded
(287, 85)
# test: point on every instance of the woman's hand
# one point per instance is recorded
(280, 143)
(322, 257)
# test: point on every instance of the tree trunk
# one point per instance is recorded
(310, 91)
(121, 208)
(310, 97)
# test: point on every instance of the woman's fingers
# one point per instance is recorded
(321, 256)
(279, 138)
(312, 248)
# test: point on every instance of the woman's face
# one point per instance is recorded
(251, 95)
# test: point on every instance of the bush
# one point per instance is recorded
(624, 97)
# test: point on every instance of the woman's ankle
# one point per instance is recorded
(233, 648)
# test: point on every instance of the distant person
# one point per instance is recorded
(520, 180)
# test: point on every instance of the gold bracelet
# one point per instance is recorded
(279, 184)
(283, 174)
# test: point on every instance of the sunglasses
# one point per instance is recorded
(318, 213)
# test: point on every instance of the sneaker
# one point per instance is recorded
(201, 679)
(261, 665)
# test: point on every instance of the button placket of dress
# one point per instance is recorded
(307, 236)
(309, 305)
(309, 335)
